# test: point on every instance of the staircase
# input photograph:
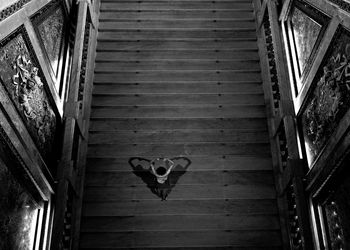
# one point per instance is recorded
(179, 78)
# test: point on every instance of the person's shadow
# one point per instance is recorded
(141, 168)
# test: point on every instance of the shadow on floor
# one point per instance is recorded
(141, 168)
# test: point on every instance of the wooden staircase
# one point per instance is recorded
(179, 78)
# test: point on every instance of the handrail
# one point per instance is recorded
(289, 169)
(71, 170)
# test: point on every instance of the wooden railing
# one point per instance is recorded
(289, 168)
(71, 169)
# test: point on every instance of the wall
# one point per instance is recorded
(35, 61)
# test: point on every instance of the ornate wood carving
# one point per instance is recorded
(283, 145)
(22, 78)
(272, 62)
(334, 225)
(84, 60)
(332, 205)
(342, 4)
(12, 9)
(330, 98)
(66, 240)
(294, 224)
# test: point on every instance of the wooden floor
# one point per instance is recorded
(179, 78)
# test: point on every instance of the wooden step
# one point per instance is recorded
(180, 192)
(141, 124)
(175, 5)
(109, 86)
(154, 56)
(189, 238)
(131, 66)
(249, 178)
(181, 207)
(176, 24)
(172, 35)
(219, 75)
(194, 248)
(189, 136)
(179, 223)
(165, 1)
(198, 149)
(204, 111)
(198, 163)
(188, 15)
(176, 99)
(176, 45)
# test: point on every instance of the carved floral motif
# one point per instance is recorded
(330, 98)
(21, 78)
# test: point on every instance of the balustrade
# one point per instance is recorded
(77, 113)
(289, 169)
(304, 42)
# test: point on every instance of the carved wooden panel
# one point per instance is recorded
(21, 76)
(330, 98)
(332, 206)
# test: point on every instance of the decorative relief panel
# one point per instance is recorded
(22, 78)
(337, 221)
(50, 31)
(330, 98)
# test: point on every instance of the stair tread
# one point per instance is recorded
(181, 5)
(139, 86)
(179, 223)
(177, 65)
(189, 136)
(164, 34)
(180, 192)
(175, 55)
(249, 178)
(188, 238)
(140, 124)
(180, 207)
(199, 163)
(146, 45)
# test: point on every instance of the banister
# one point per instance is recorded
(289, 169)
(76, 117)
